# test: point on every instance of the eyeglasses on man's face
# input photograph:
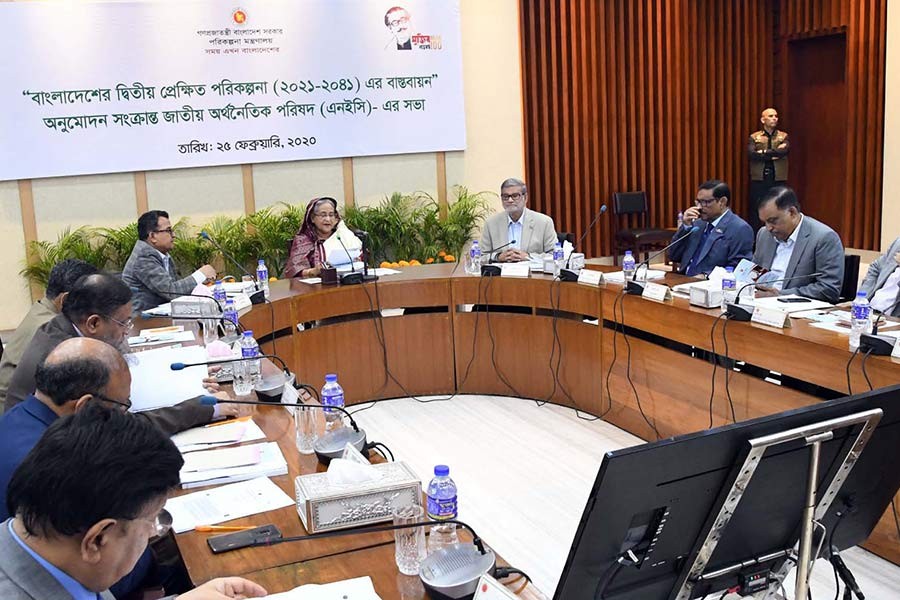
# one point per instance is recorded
(126, 405)
(514, 196)
(709, 202)
(126, 325)
(168, 230)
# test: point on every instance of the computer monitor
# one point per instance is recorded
(659, 500)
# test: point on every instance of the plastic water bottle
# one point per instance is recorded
(729, 287)
(680, 220)
(558, 259)
(628, 265)
(262, 277)
(473, 267)
(860, 322)
(442, 506)
(332, 395)
(230, 320)
(246, 372)
(219, 292)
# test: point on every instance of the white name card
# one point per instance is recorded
(896, 352)
(290, 396)
(516, 269)
(772, 317)
(589, 277)
(656, 291)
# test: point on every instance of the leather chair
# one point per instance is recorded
(563, 237)
(851, 278)
(636, 235)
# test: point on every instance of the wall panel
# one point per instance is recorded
(640, 94)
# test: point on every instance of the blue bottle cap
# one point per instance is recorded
(331, 377)
(729, 269)
(248, 333)
(218, 282)
(441, 470)
(861, 294)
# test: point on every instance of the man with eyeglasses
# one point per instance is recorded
(722, 238)
(99, 307)
(530, 232)
(85, 503)
(396, 19)
(150, 270)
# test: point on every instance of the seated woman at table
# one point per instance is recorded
(316, 243)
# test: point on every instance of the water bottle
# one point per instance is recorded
(680, 220)
(246, 372)
(442, 505)
(474, 264)
(332, 395)
(558, 259)
(860, 322)
(219, 292)
(628, 265)
(729, 287)
(230, 320)
(262, 277)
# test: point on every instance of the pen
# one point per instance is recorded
(227, 421)
(211, 528)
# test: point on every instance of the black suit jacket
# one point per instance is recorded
(170, 420)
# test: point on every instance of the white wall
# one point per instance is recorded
(495, 151)
(890, 198)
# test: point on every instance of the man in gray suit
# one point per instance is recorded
(794, 246)
(86, 501)
(882, 282)
(532, 231)
(150, 271)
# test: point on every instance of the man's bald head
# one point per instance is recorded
(80, 367)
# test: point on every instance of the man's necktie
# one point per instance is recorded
(697, 251)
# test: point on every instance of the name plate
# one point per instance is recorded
(590, 277)
(896, 352)
(772, 317)
(517, 269)
(656, 291)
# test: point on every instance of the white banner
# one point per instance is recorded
(99, 87)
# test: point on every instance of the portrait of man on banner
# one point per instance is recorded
(396, 19)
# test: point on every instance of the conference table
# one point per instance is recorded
(434, 330)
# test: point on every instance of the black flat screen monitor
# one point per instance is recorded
(659, 499)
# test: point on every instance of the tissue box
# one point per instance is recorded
(707, 294)
(326, 507)
(189, 307)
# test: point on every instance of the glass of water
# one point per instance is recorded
(409, 543)
(306, 424)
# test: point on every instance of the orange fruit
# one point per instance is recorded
(449, 258)
(429, 260)
(273, 278)
(385, 264)
(394, 265)
(442, 253)
(404, 263)
(414, 263)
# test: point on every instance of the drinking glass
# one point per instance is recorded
(409, 543)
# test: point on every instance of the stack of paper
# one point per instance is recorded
(218, 434)
(154, 384)
(360, 588)
(225, 503)
(227, 465)
(648, 274)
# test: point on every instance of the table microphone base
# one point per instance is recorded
(257, 297)
(490, 270)
(331, 445)
(568, 275)
(634, 288)
(878, 345)
(351, 278)
(452, 572)
(736, 312)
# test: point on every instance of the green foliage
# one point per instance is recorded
(83, 243)
(270, 232)
(117, 245)
(190, 251)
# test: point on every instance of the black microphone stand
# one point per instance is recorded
(879, 345)
(635, 287)
(566, 274)
(491, 270)
(257, 297)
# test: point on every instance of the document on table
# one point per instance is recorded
(619, 276)
(360, 588)
(217, 505)
(271, 463)
(223, 458)
(779, 302)
(154, 384)
(218, 434)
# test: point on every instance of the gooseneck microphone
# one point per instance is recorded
(633, 286)
(351, 278)
(566, 274)
(329, 446)
(257, 297)
(490, 270)
(736, 312)
(178, 366)
(364, 238)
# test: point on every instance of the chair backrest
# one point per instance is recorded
(628, 203)
(563, 236)
(851, 277)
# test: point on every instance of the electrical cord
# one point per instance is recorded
(715, 365)
(615, 357)
(865, 373)
(504, 572)
(637, 398)
(382, 450)
(896, 518)
(487, 312)
(627, 557)
(728, 369)
(847, 369)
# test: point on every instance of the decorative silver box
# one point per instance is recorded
(326, 507)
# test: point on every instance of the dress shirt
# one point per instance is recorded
(198, 275)
(709, 228)
(75, 589)
(783, 252)
(514, 230)
(885, 298)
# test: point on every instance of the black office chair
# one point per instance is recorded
(851, 278)
(637, 235)
(563, 237)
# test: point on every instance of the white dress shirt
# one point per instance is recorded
(885, 298)
(514, 230)
(783, 252)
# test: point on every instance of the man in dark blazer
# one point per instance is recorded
(99, 307)
(795, 246)
(85, 503)
(722, 238)
(882, 282)
(150, 271)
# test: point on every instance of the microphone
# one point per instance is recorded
(451, 572)
(736, 312)
(364, 238)
(351, 278)
(566, 274)
(633, 286)
(845, 574)
(180, 366)
(329, 446)
(879, 345)
(257, 297)
(490, 270)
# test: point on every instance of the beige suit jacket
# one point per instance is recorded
(538, 233)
